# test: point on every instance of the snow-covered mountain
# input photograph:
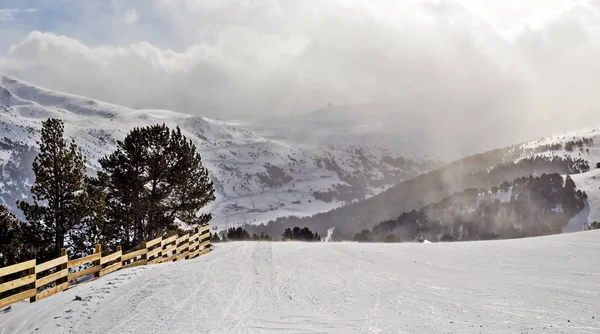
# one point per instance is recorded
(258, 176)
(576, 154)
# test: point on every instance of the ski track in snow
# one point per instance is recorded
(536, 285)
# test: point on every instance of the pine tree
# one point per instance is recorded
(214, 238)
(287, 234)
(569, 197)
(304, 234)
(59, 197)
(153, 178)
(192, 187)
(238, 234)
(9, 251)
(93, 228)
(264, 236)
(363, 236)
(123, 177)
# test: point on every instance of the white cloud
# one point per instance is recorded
(438, 60)
(271, 57)
(11, 14)
(8, 14)
(131, 16)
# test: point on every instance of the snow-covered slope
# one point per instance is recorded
(584, 145)
(258, 178)
(589, 150)
(532, 285)
(486, 170)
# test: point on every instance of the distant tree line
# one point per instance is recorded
(300, 234)
(539, 164)
(593, 226)
(153, 180)
(568, 146)
(527, 206)
(580, 143)
(241, 234)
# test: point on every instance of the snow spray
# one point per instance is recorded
(329, 234)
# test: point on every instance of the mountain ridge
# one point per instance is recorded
(257, 178)
(571, 153)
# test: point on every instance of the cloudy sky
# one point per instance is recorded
(489, 63)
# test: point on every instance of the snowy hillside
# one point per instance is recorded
(584, 144)
(258, 178)
(486, 171)
(532, 285)
(530, 194)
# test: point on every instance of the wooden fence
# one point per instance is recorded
(59, 272)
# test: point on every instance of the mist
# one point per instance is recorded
(444, 71)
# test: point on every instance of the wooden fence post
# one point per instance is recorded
(154, 256)
(183, 247)
(112, 261)
(63, 252)
(55, 278)
(97, 262)
(33, 272)
(145, 255)
(120, 249)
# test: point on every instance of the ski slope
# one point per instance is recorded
(537, 285)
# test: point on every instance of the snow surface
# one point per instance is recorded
(536, 285)
(590, 183)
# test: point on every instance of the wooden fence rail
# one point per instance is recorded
(59, 272)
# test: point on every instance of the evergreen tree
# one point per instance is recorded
(9, 248)
(123, 176)
(287, 234)
(570, 197)
(214, 238)
(264, 236)
(237, 234)
(93, 228)
(155, 176)
(304, 234)
(192, 187)
(59, 194)
(363, 236)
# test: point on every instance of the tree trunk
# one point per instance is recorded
(139, 229)
(59, 240)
